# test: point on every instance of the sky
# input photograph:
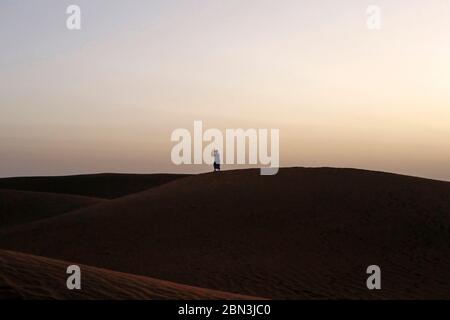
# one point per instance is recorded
(106, 98)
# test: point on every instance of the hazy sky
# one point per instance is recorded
(106, 98)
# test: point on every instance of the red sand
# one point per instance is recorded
(31, 277)
(304, 233)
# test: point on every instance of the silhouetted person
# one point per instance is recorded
(216, 161)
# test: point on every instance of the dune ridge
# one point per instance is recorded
(302, 234)
(20, 207)
(31, 277)
(104, 185)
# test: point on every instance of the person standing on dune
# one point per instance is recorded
(216, 161)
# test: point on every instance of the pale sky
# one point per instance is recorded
(106, 98)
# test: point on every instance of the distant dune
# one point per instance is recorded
(302, 234)
(19, 207)
(30, 277)
(106, 185)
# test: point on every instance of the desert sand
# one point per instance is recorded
(19, 207)
(105, 185)
(302, 234)
(30, 277)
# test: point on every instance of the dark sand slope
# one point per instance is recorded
(19, 207)
(107, 185)
(304, 233)
(30, 277)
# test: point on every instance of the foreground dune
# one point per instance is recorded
(304, 233)
(20, 207)
(30, 277)
(106, 185)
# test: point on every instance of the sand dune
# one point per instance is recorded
(31, 277)
(19, 207)
(304, 233)
(105, 185)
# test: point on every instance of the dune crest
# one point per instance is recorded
(104, 185)
(20, 207)
(304, 233)
(30, 277)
